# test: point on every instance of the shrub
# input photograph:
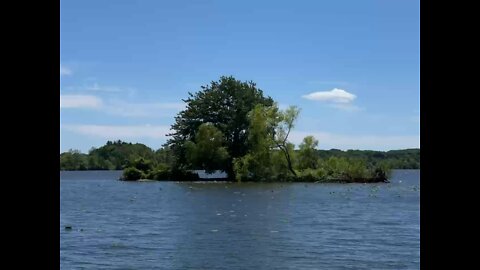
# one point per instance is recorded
(356, 169)
(307, 175)
(335, 167)
(160, 173)
(132, 174)
(142, 165)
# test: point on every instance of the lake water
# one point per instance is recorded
(168, 225)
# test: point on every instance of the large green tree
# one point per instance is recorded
(225, 104)
(307, 153)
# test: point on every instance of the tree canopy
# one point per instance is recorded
(307, 155)
(225, 104)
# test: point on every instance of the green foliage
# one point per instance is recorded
(117, 155)
(270, 155)
(335, 167)
(353, 170)
(164, 156)
(286, 121)
(132, 174)
(398, 159)
(281, 170)
(225, 103)
(161, 172)
(73, 160)
(257, 163)
(138, 169)
(254, 167)
(382, 169)
(311, 175)
(207, 152)
(113, 156)
(307, 156)
(357, 169)
(142, 164)
(241, 167)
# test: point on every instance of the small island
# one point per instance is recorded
(231, 127)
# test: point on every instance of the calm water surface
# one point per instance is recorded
(168, 225)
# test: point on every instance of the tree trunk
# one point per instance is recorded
(230, 172)
(287, 157)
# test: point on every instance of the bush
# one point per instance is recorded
(307, 175)
(160, 173)
(335, 167)
(356, 169)
(142, 165)
(132, 174)
(379, 175)
(341, 169)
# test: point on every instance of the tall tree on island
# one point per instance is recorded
(225, 104)
(286, 122)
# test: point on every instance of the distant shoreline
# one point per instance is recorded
(220, 181)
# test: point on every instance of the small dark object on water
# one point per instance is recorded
(68, 227)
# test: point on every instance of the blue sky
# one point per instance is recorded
(353, 67)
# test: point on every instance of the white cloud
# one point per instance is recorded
(101, 88)
(120, 132)
(363, 142)
(65, 71)
(80, 101)
(126, 109)
(335, 95)
(335, 98)
(121, 108)
(96, 87)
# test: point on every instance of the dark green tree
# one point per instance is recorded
(225, 103)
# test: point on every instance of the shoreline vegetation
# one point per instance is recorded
(230, 126)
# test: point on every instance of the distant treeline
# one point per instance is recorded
(118, 155)
(112, 156)
(396, 159)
